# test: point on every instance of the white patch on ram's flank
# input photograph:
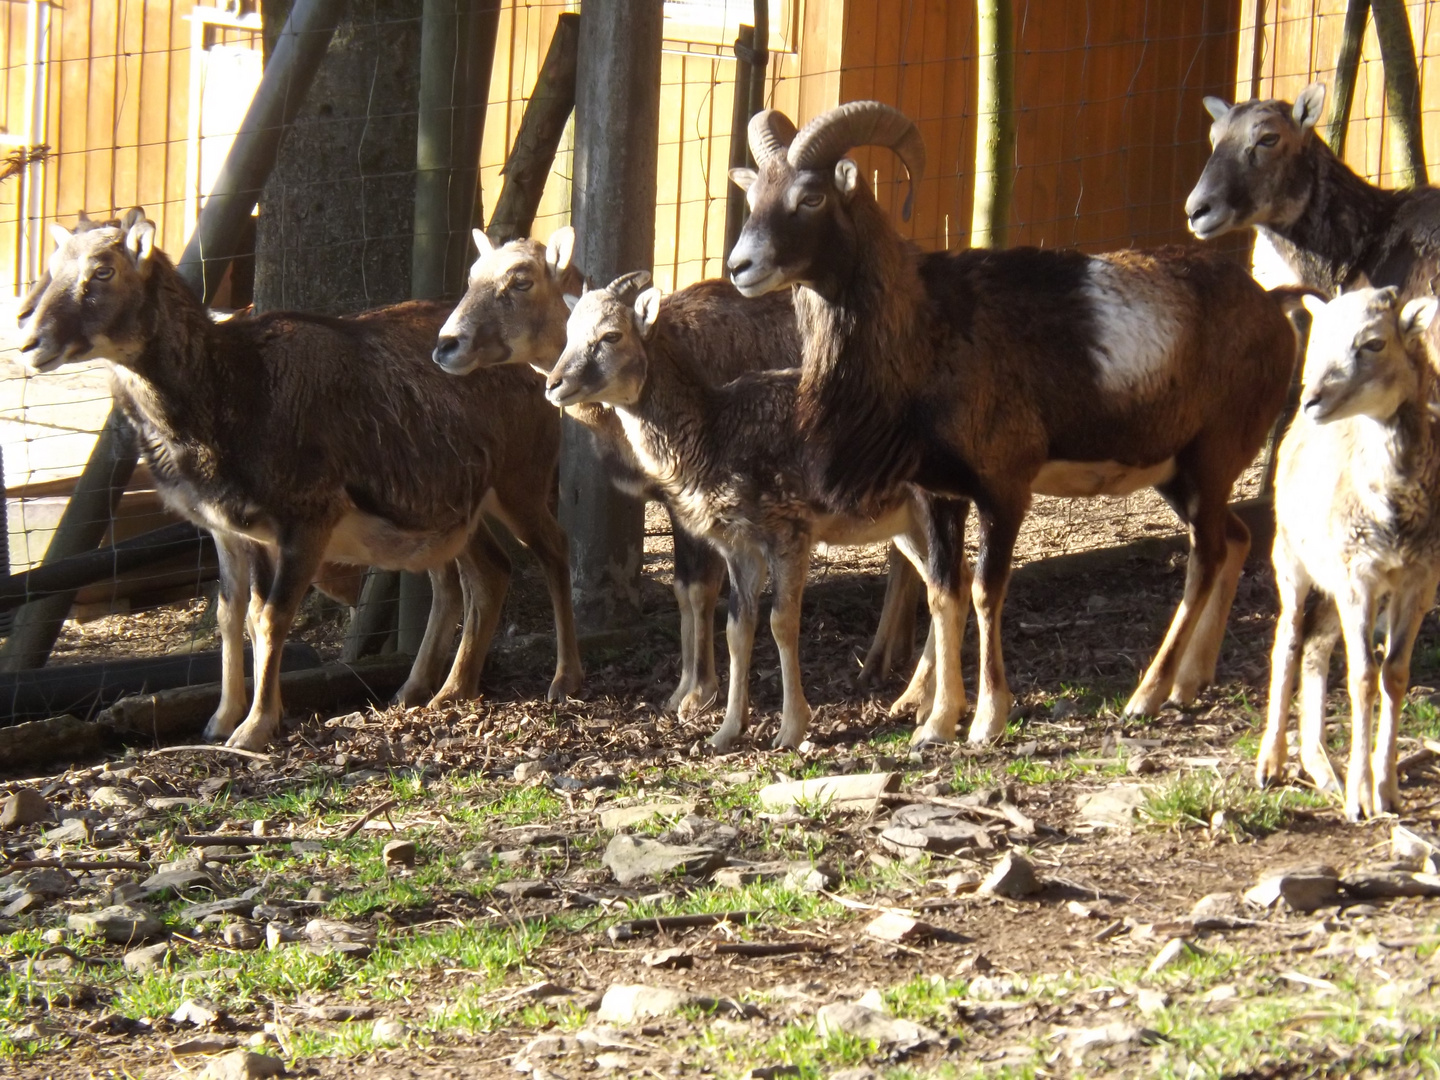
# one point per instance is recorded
(1137, 327)
(1083, 479)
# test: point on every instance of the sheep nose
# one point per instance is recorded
(739, 266)
(445, 349)
(1195, 213)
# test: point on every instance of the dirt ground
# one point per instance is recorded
(510, 791)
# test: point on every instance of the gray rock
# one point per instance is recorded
(26, 901)
(119, 924)
(1114, 807)
(632, 859)
(323, 931)
(163, 803)
(862, 1022)
(811, 879)
(626, 1004)
(1216, 905)
(234, 905)
(318, 894)
(204, 1044)
(1012, 877)
(399, 854)
(388, 1030)
(1173, 951)
(307, 847)
(1303, 888)
(51, 882)
(627, 817)
(277, 935)
(125, 892)
(25, 806)
(198, 1013)
(147, 958)
(941, 837)
(340, 1014)
(115, 798)
(243, 1065)
(525, 890)
(74, 831)
(1384, 884)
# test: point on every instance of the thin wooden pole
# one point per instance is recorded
(1347, 70)
(735, 205)
(995, 123)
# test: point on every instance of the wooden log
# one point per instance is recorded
(374, 618)
(543, 123)
(74, 573)
(995, 123)
(1347, 69)
(1402, 90)
(174, 713)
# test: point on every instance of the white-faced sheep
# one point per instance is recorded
(1357, 512)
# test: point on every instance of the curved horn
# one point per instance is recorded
(831, 135)
(770, 132)
(626, 284)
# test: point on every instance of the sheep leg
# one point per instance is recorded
(1357, 620)
(299, 557)
(1293, 585)
(998, 529)
(535, 526)
(919, 696)
(894, 640)
(1322, 631)
(1206, 515)
(698, 569)
(445, 604)
(747, 578)
(1197, 665)
(484, 579)
(1407, 609)
(231, 603)
(790, 570)
(948, 579)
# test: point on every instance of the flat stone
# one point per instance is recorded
(198, 1013)
(115, 798)
(74, 831)
(862, 1022)
(26, 901)
(939, 837)
(51, 882)
(163, 803)
(318, 894)
(632, 859)
(1384, 884)
(1150, 1001)
(1012, 877)
(627, 817)
(340, 1014)
(626, 1004)
(1216, 905)
(204, 1044)
(176, 882)
(277, 935)
(741, 875)
(243, 1065)
(24, 806)
(399, 854)
(1173, 951)
(811, 879)
(1303, 888)
(1114, 807)
(243, 935)
(525, 890)
(307, 847)
(119, 924)
(234, 905)
(856, 789)
(327, 931)
(669, 958)
(388, 1030)
(147, 958)
(894, 926)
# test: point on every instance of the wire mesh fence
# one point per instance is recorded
(112, 103)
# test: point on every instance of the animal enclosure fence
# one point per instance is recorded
(109, 104)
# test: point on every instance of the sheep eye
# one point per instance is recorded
(611, 338)
(814, 199)
(1374, 345)
(1269, 139)
(103, 273)
(522, 284)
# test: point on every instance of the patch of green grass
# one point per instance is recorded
(1192, 799)
(1421, 719)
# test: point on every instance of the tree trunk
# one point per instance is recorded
(1402, 90)
(617, 122)
(1347, 68)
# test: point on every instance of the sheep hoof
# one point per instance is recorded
(698, 701)
(564, 685)
(924, 738)
(412, 693)
(254, 734)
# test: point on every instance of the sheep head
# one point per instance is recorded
(513, 310)
(1367, 354)
(605, 360)
(86, 306)
(802, 189)
(1255, 174)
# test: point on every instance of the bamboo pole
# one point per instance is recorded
(1402, 90)
(995, 123)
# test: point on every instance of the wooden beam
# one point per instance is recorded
(994, 123)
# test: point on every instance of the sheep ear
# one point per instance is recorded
(59, 233)
(131, 218)
(570, 301)
(482, 242)
(847, 176)
(1361, 280)
(1216, 107)
(1309, 105)
(1312, 303)
(743, 178)
(140, 240)
(1416, 317)
(560, 250)
(647, 310)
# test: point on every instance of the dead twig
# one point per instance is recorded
(211, 840)
(77, 864)
(216, 748)
(388, 804)
(774, 948)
